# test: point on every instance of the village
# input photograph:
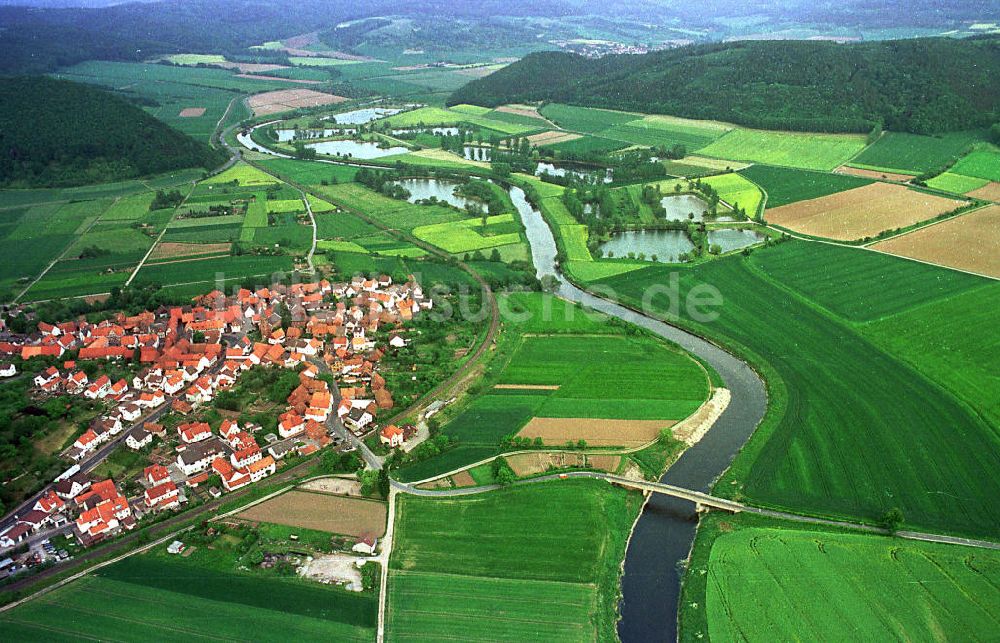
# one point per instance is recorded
(331, 337)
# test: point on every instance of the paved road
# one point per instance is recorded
(337, 427)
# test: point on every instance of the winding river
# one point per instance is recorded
(665, 532)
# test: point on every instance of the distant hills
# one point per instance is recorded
(922, 85)
(58, 133)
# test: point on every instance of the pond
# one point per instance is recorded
(559, 170)
(355, 149)
(362, 116)
(680, 205)
(426, 188)
(730, 239)
(667, 245)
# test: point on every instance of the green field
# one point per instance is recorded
(587, 144)
(858, 285)
(760, 582)
(652, 381)
(952, 341)
(787, 185)
(442, 116)
(792, 149)
(468, 235)
(241, 175)
(210, 269)
(737, 191)
(156, 598)
(667, 131)
(983, 163)
(308, 172)
(851, 430)
(916, 153)
(393, 213)
(166, 90)
(957, 183)
(497, 566)
(585, 119)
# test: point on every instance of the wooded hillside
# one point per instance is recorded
(58, 133)
(923, 85)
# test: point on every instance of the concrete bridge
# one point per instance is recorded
(701, 500)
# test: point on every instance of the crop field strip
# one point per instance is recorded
(818, 584)
(831, 454)
(792, 149)
(521, 575)
(789, 185)
(914, 153)
(168, 601)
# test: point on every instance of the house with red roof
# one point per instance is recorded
(232, 478)
(191, 432)
(155, 474)
(391, 435)
(162, 496)
(262, 468)
(46, 376)
(49, 502)
(290, 424)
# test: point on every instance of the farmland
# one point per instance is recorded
(787, 185)
(321, 512)
(914, 153)
(393, 213)
(426, 116)
(983, 163)
(802, 457)
(957, 183)
(792, 149)
(737, 191)
(563, 375)
(469, 234)
(967, 242)
(585, 119)
(520, 573)
(764, 582)
(155, 597)
(171, 89)
(862, 212)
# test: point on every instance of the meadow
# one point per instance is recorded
(765, 582)
(667, 131)
(957, 183)
(793, 149)
(210, 269)
(518, 573)
(820, 449)
(788, 185)
(915, 153)
(468, 235)
(392, 213)
(737, 191)
(163, 599)
(983, 163)
(442, 116)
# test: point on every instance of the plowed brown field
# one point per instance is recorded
(861, 212)
(322, 512)
(597, 433)
(968, 242)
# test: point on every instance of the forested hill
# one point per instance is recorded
(923, 85)
(57, 133)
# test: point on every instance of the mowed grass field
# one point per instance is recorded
(851, 430)
(786, 185)
(394, 213)
(983, 163)
(765, 582)
(497, 566)
(793, 149)
(915, 153)
(637, 129)
(154, 598)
